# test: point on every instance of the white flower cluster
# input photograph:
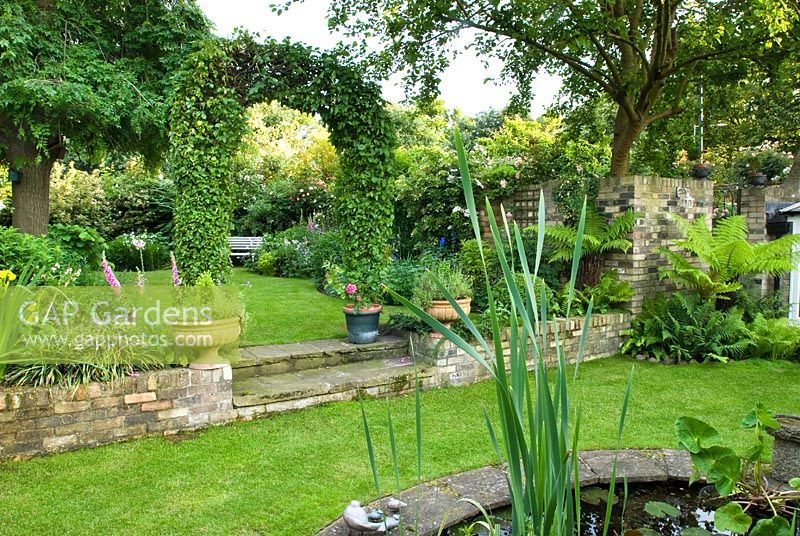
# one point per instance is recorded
(464, 211)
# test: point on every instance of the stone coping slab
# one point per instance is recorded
(257, 355)
(322, 381)
(439, 502)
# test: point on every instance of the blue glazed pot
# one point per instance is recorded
(362, 326)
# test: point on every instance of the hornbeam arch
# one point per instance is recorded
(207, 122)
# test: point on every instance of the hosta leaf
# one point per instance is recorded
(731, 517)
(695, 531)
(661, 509)
(724, 474)
(595, 496)
(694, 435)
(776, 526)
(762, 416)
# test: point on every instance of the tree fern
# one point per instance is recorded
(726, 254)
(600, 237)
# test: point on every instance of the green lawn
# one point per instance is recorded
(279, 310)
(290, 474)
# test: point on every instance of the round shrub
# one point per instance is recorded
(78, 197)
(325, 247)
(84, 243)
(265, 265)
(140, 200)
(301, 251)
(124, 256)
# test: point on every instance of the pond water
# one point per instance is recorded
(647, 507)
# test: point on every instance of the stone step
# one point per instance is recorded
(294, 390)
(260, 361)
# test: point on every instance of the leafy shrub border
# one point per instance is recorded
(207, 119)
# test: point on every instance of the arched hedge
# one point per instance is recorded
(207, 123)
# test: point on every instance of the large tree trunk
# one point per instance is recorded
(625, 133)
(30, 196)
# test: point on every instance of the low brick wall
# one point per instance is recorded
(454, 367)
(44, 420)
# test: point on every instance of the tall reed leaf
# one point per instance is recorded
(370, 449)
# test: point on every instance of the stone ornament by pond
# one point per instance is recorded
(440, 501)
(786, 450)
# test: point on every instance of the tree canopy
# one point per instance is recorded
(89, 74)
(643, 55)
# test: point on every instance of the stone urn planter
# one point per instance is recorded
(700, 171)
(786, 450)
(206, 338)
(442, 311)
(757, 178)
(362, 325)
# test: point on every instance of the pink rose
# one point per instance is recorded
(350, 289)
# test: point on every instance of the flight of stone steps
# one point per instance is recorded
(291, 376)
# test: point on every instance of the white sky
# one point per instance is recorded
(462, 87)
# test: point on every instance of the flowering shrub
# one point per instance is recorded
(129, 252)
(283, 204)
(300, 251)
(53, 264)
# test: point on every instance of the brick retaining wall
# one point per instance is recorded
(35, 421)
(45, 420)
(454, 367)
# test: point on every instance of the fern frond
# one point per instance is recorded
(621, 226)
(730, 229)
(620, 244)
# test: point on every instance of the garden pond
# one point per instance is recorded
(651, 509)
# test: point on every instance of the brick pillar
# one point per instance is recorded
(524, 206)
(753, 208)
(652, 198)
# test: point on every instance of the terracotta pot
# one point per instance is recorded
(362, 325)
(349, 309)
(442, 311)
(206, 339)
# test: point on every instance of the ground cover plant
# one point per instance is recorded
(236, 479)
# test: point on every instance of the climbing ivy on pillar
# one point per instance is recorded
(206, 128)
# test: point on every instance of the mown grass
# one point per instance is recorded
(279, 310)
(290, 474)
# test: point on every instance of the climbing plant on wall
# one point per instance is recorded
(207, 117)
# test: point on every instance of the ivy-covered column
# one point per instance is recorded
(363, 133)
(207, 124)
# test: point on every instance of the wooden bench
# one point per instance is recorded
(242, 246)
